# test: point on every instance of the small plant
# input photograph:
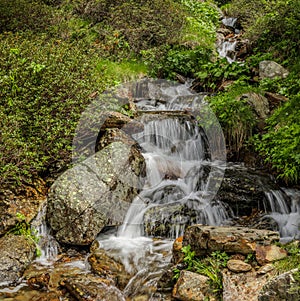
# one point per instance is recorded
(209, 266)
(23, 228)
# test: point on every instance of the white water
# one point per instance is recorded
(175, 152)
(47, 244)
(227, 47)
(287, 216)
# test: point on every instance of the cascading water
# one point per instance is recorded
(176, 153)
(227, 47)
(47, 244)
(285, 210)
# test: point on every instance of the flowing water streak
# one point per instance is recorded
(47, 244)
(178, 167)
(286, 215)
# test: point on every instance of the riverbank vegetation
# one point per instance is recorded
(56, 56)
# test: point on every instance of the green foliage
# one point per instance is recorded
(45, 85)
(24, 15)
(235, 116)
(195, 42)
(182, 61)
(209, 266)
(271, 25)
(280, 145)
(213, 74)
(201, 22)
(23, 228)
(143, 24)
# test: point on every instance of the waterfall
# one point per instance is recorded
(181, 175)
(285, 210)
(47, 244)
(227, 46)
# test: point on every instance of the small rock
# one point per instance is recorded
(107, 267)
(265, 269)
(238, 266)
(192, 287)
(267, 254)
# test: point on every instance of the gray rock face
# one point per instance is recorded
(281, 288)
(206, 239)
(271, 69)
(95, 193)
(16, 253)
(259, 103)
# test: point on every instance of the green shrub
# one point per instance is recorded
(143, 24)
(213, 74)
(45, 85)
(209, 266)
(280, 145)
(24, 15)
(271, 26)
(235, 116)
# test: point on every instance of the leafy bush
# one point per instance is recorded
(143, 24)
(235, 116)
(280, 145)
(24, 15)
(45, 85)
(271, 26)
(213, 74)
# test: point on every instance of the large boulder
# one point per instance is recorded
(95, 193)
(16, 253)
(244, 189)
(271, 69)
(207, 239)
(243, 286)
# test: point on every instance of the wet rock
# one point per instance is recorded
(267, 254)
(244, 190)
(166, 220)
(16, 253)
(94, 193)
(108, 267)
(177, 247)
(242, 286)
(257, 220)
(271, 69)
(24, 294)
(206, 239)
(284, 287)
(238, 266)
(91, 288)
(192, 287)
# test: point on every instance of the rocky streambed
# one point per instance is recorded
(148, 211)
